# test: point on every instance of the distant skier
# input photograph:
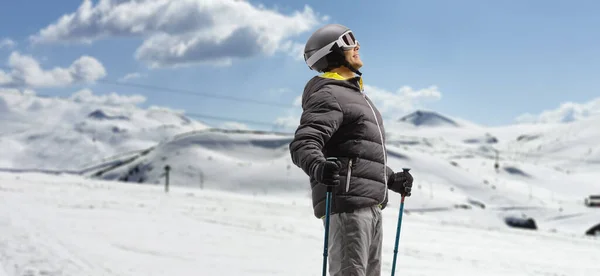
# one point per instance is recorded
(339, 120)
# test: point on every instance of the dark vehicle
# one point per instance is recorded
(594, 231)
(524, 223)
(592, 201)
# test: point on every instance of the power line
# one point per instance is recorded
(195, 93)
(525, 154)
(196, 115)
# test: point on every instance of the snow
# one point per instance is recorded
(428, 118)
(70, 225)
(259, 163)
(69, 133)
(82, 193)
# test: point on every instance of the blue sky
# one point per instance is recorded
(485, 61)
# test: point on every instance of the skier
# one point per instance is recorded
(339, 120)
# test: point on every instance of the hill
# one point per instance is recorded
(537, 175)
(428, 118)
(68, 133)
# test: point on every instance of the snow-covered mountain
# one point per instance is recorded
(428, 118)
(66, 134)
(544, 170)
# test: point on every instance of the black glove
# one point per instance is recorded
(328, 173)
(401, 182)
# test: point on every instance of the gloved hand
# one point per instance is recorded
(401, 182)
(328, 172)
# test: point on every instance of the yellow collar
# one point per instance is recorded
(336, 76)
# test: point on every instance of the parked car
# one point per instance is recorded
(592, 201)
(524, 222)
(594, 231)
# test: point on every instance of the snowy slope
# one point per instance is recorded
(574, 146)
(68, 225)
(428, 119)
(67, 134)
(453, 166)
(259, 163)
(242, 161)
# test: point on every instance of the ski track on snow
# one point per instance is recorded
(56, 225)
(37, 249)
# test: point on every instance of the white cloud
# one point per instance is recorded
(131, 76)
(7, 43)
(289, 122)
(294, 50)
(566, 112)
(87, 96)
(298, 101)
(392, 105)
(185, 32)
(234, 126)
(396, 104)
(26, 71)
(166, 109)
(9, 91)
(292, 118)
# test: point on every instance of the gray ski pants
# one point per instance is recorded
(355, 241)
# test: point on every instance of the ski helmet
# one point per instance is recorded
(325, 48)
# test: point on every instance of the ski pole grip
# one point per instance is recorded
(406, 171)
(332, 159)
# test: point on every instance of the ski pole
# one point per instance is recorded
(327, 207)
(327, 211)
(398, 230)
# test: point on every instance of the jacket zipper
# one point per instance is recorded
(348, 175)
(383, 147)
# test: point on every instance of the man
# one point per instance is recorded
(340, 121)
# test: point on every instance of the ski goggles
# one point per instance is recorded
(347, 41)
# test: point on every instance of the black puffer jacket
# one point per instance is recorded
(339, 120)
